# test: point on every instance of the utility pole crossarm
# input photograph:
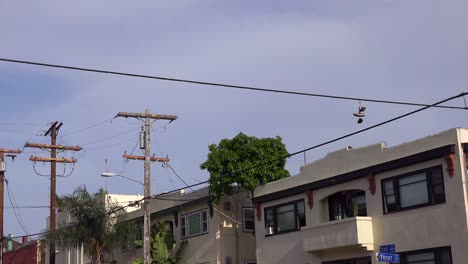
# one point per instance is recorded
(52, 131)
(146, 138)
(10, 151)
(48, 146)
(147, 115)
(59, 160)
(133, 157)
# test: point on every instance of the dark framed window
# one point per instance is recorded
(442, 255)
(194, 224)
(412, 190)
(285, 217)
(347, 204)
(130, 244)
(248, 222)
(363, 260)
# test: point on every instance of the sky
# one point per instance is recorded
(415, 51)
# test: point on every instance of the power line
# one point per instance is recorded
(111, 137)
(199, 196)
(27, 206)
(231, 86)
(321, 144)
(353, 133)
(19, 124)
(103, 215)
(297, 152)
(88, 127)
(17, 214)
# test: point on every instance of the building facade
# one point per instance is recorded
(343, 208)
(220, 234)
(27, 253)
(77, 255)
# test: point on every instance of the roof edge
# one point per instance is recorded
(360, 173)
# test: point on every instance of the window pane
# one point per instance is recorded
(301, 213)
(413, 190)
(300, 208)
(335, 206)
(248, 213)
(269, 217)
(436, 176)
(357, 205)
(421, 258)
(194, 224)
(445, 256)
(388, 187)
(285, 218)
(204, 215)
(248, 219)
(412, 179)
(438, 194)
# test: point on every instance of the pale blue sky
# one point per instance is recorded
(395, 50)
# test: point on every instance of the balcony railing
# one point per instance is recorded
(355, 231)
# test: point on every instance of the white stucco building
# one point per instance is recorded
(221, 234)
(342, 208)
(77, 255)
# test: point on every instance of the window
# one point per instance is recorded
(427, 256)
(364, 260)
(194, 224)
(347, 204)
(285, 217)
(412, 190)
(248, 219)
(130, 244)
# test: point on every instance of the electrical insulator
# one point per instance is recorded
(142, 139)
(2, 166)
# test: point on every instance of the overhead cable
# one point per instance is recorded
(231, 86)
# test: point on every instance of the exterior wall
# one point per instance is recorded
(33, 253)
(123, 200)
(282, 248)
(432, 226)
(235, 243)
(77, 255)
(213, 247)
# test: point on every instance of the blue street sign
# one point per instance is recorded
(388, 257)
(387, 248)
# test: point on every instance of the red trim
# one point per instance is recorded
(310, 198)
(372, 186)
(259, 211)
(450, 160)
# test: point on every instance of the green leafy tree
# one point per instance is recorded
(97, 225)
(163, 247)
(237, 161)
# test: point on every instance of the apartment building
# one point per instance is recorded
(342, 208)
(220, 234)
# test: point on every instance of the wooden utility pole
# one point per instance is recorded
(10, 153)
(147, 116)
(53, 132)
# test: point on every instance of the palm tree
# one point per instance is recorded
(96, 225)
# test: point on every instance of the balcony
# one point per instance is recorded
(349, 232)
